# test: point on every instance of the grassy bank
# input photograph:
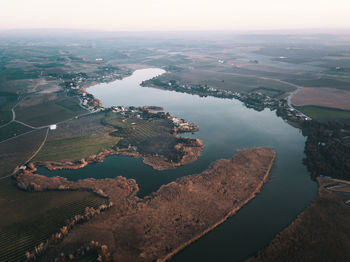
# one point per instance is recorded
(324, 113)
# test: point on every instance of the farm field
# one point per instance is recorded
(48, 109)
(16, 152)
(33, 217)
(75, 148)
(13, 129)
(226, 81)
(7, 101)
(149, 136)
(324, 113)
(325, 97)
(5, 117)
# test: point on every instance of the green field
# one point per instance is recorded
(33, 217)
(324, 113)
(75, 148)
(13, 129)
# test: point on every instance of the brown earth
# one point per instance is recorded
(160, 225)
(327, 97)
(320, 233)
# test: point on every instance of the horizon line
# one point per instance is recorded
(334, 30)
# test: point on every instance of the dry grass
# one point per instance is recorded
(163, 223)
(320, 233)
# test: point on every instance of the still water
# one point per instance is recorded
(225, 126)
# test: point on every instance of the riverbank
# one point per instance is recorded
(256, 100)
(160, 225)
(190, 148)
(320, 233)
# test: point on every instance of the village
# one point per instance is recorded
(75, 85)
(148, 113)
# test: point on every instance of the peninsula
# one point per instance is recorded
(160, 225)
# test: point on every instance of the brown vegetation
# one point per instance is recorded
(160, 225)
(320, 233)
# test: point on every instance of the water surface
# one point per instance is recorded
(225, 126)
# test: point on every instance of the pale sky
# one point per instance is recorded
(137, 15)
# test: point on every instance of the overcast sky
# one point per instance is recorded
(136, 15)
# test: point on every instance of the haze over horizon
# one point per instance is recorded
(181, 15)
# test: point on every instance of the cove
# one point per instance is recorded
(225, 125)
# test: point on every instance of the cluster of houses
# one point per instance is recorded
(256, 100)
(293, 114)
(76, 85)
(180, 125)
(128, 111)
(89, 102)
(137, 112)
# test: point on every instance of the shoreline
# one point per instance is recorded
(230, 214)
(157, 162)
(301, 239)
(221, 184)
(192, 152)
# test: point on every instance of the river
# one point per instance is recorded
(225, 126)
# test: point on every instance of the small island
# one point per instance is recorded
(160, 225)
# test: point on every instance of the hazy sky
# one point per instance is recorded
(175, 14)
